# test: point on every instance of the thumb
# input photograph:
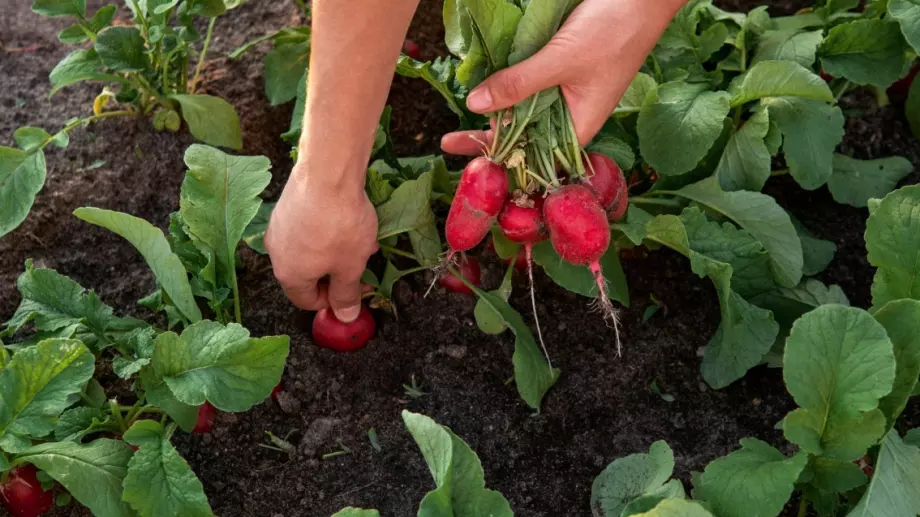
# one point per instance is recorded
(345, 297)
(512, 85)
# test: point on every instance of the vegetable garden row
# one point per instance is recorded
(95, 397)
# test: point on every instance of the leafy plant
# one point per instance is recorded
(112, 451)
(148, 65)
(851, 373)
(456, 470)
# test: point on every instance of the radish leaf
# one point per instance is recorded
(356, 512)
(211, 120)
(901, 320)
(907, 13)
(893, 243)
(745, 163)
(779, 79)
(122, 49)
(285, 66)
(22, 175)
(789, 45)
(854, 182)
(893, 489)
(865, 52)
(632, 477)
(811, 131)
(93, 473)
(75, 8)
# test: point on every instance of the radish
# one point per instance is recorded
(22, 493)
(206, 415)
(609, 185)
(469, 269)
(901, 88)
(330, 332)
(412, 49)
(520, 261)
(580, 234)
(275, 390)
(479, 198)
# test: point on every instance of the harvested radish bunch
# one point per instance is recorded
(469, 269)
(22, 493)
(206, 415)
(580, 234)
(412, 49)
(605, 178)
(330, 332)
(477, 202)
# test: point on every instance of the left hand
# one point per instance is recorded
(593, 57)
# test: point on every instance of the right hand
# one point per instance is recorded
(319, 230)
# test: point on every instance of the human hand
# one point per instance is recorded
(593, 57)
(317, 230)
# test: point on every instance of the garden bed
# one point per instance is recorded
(603, 406)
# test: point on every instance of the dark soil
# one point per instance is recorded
(602, 408)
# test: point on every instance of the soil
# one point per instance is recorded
(602, 407)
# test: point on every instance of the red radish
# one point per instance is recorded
(22, 493)
(609, 185)
(479, 198)
(520, 262)
(206, 415)
(521, 219)
(275, 390)
(412, 49)
(826, 76)
(901, 88)
(330, 332)
(580, 234)
(469, 269)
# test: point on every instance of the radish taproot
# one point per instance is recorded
(206, 416)
(608, 183)
(330, 332)
(469, 269)
(22, 493)
(479, 198)
(580, 234)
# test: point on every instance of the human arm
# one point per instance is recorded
(324, 225)
(593, 57)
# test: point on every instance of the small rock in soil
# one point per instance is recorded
(287, 402)
(317, 435)
(454, 351)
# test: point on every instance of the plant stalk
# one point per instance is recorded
(204, 52)
(517, 131)
(397, 251)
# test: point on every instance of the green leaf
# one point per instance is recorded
(219, 198)
(92, 473)
(893, 243)
(901, 320)
(838, 363)
(31, 138)
(356, 512)
(442, 76)
(779, 79)
(52, 301)
(907, 14)
(122, 49)
(152, 245)
(532, 374)
(211, 120)
(103, 18)
(835, 476)
(788, 45)
(409, 211)
(22, 176)
(579, 279)
(756, 481)
(79, 65)
(73, 423)
(496, 21)
(616, 149)
(629, 478)
(634, 98)
(817, 253)
(160, 482)
(221, 365)
(487, 319)
(865, 52)
(210, 8)
(293, 133)
(676, 508)
(73, 35)
(37, 385)
(678, 124)
(75, 8)
(912, 108)
(812, 131)
(745, 163)
(855, 182)
(254, 234)
(159, 395)
(457, 472)
(763, 218)
(540, 22)
(284, 68)
(893, 488)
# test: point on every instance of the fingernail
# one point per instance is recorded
(479, 100)
(348, 314)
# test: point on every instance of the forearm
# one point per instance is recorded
(355, 45)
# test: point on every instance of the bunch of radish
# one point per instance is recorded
(536, 182)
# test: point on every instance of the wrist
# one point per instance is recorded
(318, 177)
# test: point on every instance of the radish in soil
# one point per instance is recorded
(469, 269)
(521, 220)
(22, 493)
(412, 49)
(609, 185)
(206, 415)
(580, 234)
(330, 332)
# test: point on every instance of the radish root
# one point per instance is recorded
(605, 306)
(533, 302)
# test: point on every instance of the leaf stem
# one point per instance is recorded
(657, 202)
(843, 90)
(237, 310)
(803, 506)
(116, 413)
(204, 52)
(576, 148)
(401, 253)
(779, 172)
(517, 131)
